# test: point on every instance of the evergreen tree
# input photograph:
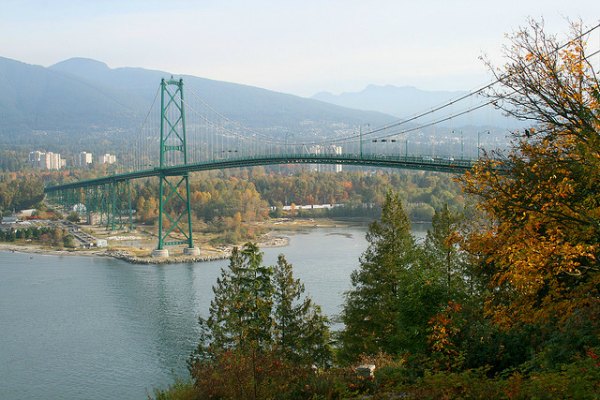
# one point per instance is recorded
(240, 312)
(260, 333)
(301, 334)
(371, 310)
(257, 297)
(442, 250)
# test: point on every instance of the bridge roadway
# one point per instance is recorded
(423, 163)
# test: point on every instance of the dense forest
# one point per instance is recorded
(502, 304)
(18, 192)
(229, 202)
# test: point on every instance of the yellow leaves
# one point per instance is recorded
(531, 247)
(530, 264)
(453, 238)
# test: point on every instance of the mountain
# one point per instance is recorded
(398, 101)
(80, 98)
(34, 98)
(406, 101)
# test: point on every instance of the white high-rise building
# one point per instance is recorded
(53, 161)
(326, 150)
(49, 160)
(108, 159)
(83, 159)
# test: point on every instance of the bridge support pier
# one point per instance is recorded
(191, 251)
(160, 253)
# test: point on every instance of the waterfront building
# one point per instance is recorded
(9, 220)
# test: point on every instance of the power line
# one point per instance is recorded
(440, 120)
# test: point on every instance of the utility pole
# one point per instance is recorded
(462, 146)
(360, 134)
(478, 141)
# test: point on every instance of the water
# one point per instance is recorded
(96, 328)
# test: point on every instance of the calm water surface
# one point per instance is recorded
(97, 328)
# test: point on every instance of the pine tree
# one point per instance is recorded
(257, 296)
(260, 333)
(261, 307)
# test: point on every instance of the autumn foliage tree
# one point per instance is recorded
(541, 248)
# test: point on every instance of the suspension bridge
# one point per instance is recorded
(212, 141)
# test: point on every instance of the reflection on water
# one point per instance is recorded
(97, 328)
(344, 234)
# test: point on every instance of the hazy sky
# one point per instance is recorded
(298, 47)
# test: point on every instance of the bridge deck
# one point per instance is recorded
(423, 163)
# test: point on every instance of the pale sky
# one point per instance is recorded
(298, 47)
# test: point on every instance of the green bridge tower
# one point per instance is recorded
(174, 212)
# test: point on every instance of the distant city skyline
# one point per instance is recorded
(298, 48)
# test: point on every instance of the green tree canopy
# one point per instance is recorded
(258, 323)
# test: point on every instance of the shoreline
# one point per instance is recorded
(273, 238)
(128, 256)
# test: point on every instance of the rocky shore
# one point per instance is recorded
(268, 240)
(136, 248)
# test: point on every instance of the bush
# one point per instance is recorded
(470, 384)
(577, 380)
(73, 217)
(180, 390)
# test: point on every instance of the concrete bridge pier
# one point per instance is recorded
(191, 251)
(160, 253)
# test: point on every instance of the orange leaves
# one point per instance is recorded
(444, 328)
(542, 245)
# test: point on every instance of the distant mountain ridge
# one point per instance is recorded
(75, 98)
(83, 104)
(406, 101)
(398, 101)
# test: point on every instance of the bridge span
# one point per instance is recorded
(382, 161)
